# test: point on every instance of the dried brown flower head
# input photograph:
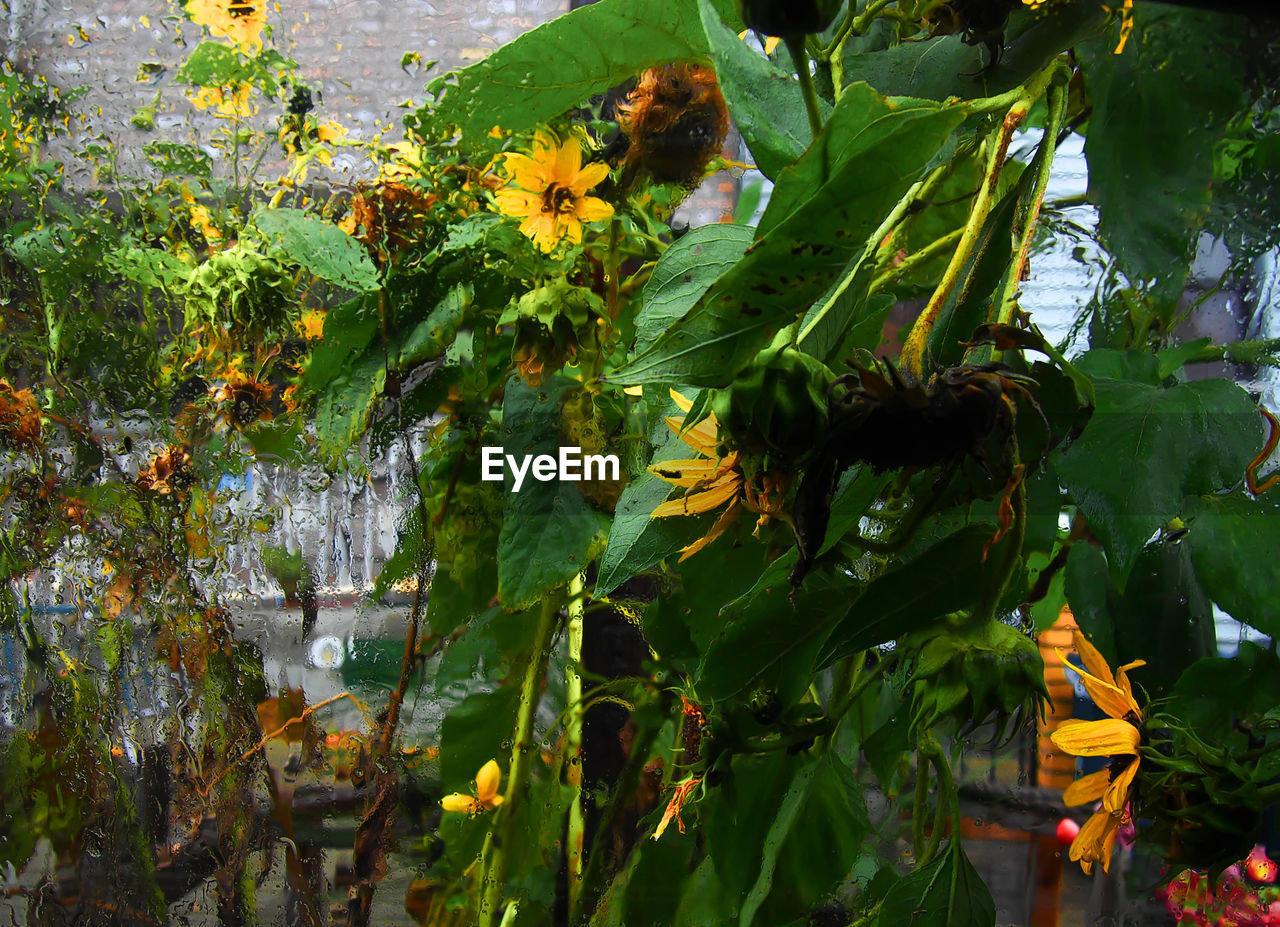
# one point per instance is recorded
(168, 473)
(19, 417)
(676, 120)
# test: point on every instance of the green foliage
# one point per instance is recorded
(320, 247)
(174, 331)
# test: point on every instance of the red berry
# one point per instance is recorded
(1067, 830)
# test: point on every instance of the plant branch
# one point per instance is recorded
(913, 352)
(573, 737)
(801, 60)
(500, 837)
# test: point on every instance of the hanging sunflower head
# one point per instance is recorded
(555, 324)
(388, 216)
(676, 121)
(244, 400)
(169, 473)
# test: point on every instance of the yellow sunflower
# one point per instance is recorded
(486, 797)
(548, 188)
(241, 21)
(1116, 736)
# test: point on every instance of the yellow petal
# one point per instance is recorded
(1095, 841)
(696, 503)
(722, 524)
(1097, 738)
(487, 780)
(1109, 698)
(689, 473)
(1117, 795)
(1094, 662)
(568, 161)
(592, 209)
(682, 403)
(1087, 789)
(462, 804)
(512, 202)
(588, 177)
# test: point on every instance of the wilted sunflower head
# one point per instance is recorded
(19, 417)
(676, 120)
(169, 473)
(245, 400)
(388, 216)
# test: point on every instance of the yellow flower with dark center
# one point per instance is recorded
(547, 189)
(241, 21)
(486, 797)
(1116, 736)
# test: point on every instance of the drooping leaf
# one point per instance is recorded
(637, 541)
(513, 88)
(347, 403)
(1150, 166)
(948, 892)
(1193, 438)
(800, 256)
(766, 101)
(471, 733)
(683, 274)
(549, 530)
(319, 246)
(771, 626)
(1233, 541)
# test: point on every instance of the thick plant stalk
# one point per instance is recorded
(573, 738)
(913, 351)
(800, 57)
(1057, 100)
(495, 851)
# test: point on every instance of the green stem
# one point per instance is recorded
(801, 59)
(860, 685)
(912, 261)
(913, 351)
(500, 836)
(919, 806)
(895, 217)
(573, 737)
(946, 782)
(1057, 100)
(853, 25)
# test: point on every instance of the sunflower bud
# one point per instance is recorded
(777, 407)
(555, 324)
(788, 17)
(974, 674)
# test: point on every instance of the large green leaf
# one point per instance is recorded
(348, 401)
(683, 274)
(1159, 111)
(319, 246)
(1162, 617)
(549, 530)
(471, 733)
(947, 577)
(770, 626)
(564, 62)
(948, 892)
(1233, 541)
(766, 101)
(770, 810)
(637, 541)
(1193, 438)
(801, 254)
